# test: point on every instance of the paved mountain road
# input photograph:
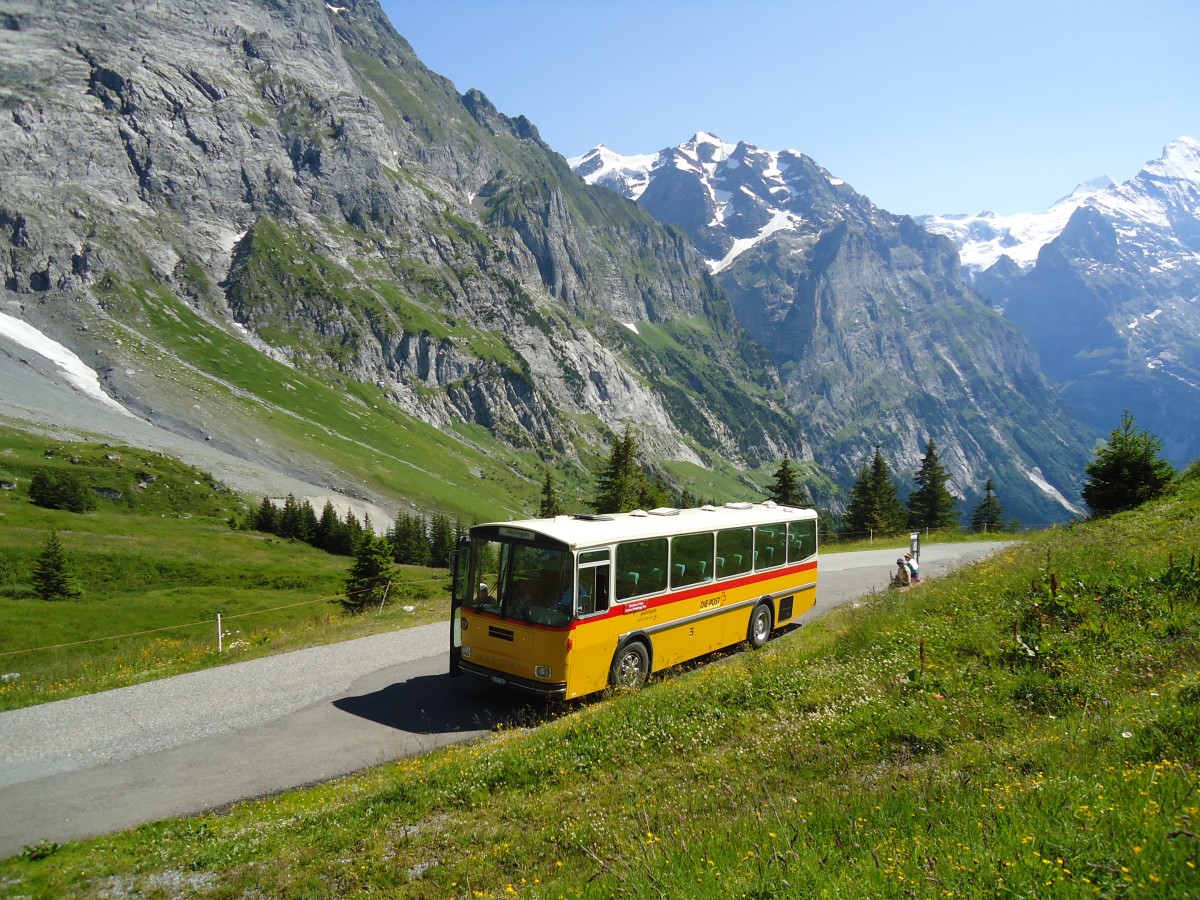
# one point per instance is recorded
(179, 746)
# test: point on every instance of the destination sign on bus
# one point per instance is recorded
(518, 533)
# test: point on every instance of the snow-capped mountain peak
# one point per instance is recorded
(1180, 160)
(626, 175)
(1149, 200)
(737, 195)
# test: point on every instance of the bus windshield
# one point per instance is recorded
(520, 581)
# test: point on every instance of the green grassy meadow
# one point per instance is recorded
(154, 568)
(1026, 727)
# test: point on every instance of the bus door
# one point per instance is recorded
(459, 587)
(592, 638)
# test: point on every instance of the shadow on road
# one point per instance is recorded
(437, 704)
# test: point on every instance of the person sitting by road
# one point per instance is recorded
(902, 577)
(914, 567)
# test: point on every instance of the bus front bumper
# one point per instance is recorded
(553, 689)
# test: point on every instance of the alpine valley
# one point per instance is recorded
(876, 336)
(262, 236)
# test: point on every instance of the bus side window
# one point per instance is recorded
(770, 542)
(648, 558)
(802, 540)
(735, 547)
(594, 572)
(691, 556)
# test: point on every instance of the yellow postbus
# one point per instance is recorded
(567, 606)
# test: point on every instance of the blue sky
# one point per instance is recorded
(925, 107)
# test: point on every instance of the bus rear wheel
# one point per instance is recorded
(760, 625)
(631, 666)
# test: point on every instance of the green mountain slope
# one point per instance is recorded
(283, 236)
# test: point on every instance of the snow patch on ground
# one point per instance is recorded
(80, 376)
(1039, 480)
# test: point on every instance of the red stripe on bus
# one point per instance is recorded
(662, 599)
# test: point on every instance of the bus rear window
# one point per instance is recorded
(802, 540)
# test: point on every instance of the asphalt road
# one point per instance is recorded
(180, 746)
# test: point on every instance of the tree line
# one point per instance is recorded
(413, 539)
(1126, 472)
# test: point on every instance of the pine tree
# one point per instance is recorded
(52, 578)
(1127, 471)
(989, 514)
(875, 506)
(289, 519)
(931, 505)
(420, 551)
(307, 524)
(654, 493)
(348, 536)
(441, 542)
(551, 503)
(266, 518)
(60, 490)
(325, 535)
(369, 575)
(622, 484)
(786, 489)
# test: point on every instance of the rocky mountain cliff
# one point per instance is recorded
(1105, 285)
(876, 335)
(226, 210)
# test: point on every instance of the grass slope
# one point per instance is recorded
(1026, 727)
(155, 566)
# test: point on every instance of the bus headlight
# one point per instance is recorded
(542, 671)
(466, 652)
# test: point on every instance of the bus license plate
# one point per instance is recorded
(496, 679)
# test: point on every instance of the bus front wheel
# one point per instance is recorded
(760, 625)
(631, 666)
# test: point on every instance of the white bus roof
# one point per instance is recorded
(599, 530)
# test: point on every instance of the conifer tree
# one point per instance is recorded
(288, 525)
(307, 523)
(786, 489)
(875, 506)
(52, 578)
(1127, 471)
(441, 542)
(370, 573)
(622, 484)
(551, 503)
(266, 518)
(348, 535)
(654, 493)
(60, 490)
(931, 505)
(419, 550)
(327, 527)
(989, 514)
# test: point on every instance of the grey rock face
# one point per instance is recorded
(289, 172)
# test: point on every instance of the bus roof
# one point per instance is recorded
(579, 531)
